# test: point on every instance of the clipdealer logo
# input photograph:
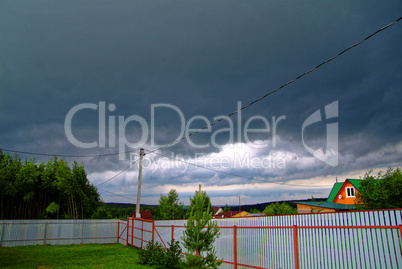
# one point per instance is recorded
(110, 124)
(331, 150)
(148, 132)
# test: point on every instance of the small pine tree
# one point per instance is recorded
(226, 208)
(200, 234)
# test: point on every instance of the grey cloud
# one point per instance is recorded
(202, 57)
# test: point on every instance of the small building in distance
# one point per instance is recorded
(146, 214)
(216, 210)
(242, 214)
(226, 214)
(341, 198)
(236, 214)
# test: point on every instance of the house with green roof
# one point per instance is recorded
(341, 198)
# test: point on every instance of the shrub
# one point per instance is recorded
(154, 254)
(172, 258)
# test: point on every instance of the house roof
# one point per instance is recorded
(215, 209)
(226, 214)
(355, 183)
(242, 214)
(144, 214)
(335, 189)
(330, 205)
(338, 186)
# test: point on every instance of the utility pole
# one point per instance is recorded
(137, 206)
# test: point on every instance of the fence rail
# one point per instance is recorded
(364, 239)
(56, 232)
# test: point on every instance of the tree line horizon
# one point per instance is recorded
(54, 190)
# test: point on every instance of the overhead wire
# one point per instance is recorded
(116, 175)
(116, 194)
(221, 118)
(280, 87)
(239, 176)
(272, 92)
(67, 155)
(234, 112)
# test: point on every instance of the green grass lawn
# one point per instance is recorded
(70, 256)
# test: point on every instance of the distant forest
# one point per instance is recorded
(48, 190)
(262, 206)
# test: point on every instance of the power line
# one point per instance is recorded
(263, 97)
(220, 119)
(117, 194)
(245, 177)
(217, 171)
(229, 115)
(78, 156)
(116, 175)
(66, 155)
(281, 87)
(207, 168)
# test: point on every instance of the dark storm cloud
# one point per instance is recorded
(202, 57)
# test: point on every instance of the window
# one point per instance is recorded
(350, 192)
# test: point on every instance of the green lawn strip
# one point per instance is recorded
(71, 256)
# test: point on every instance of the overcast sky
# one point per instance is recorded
(98, 77)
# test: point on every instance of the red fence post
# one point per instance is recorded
(132, 232)
(235, 246)
(118, 231)
(142, 233)
(296, 246)
(153, 232)
(171, 241)
(127, 228)
(400, 229)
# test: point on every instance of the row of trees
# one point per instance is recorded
(47, 190)
(381, 191)
(170, 208)
(279, 209)
(122, 211)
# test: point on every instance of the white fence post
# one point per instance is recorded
(82, 232)
(3, 229)
(44, 236)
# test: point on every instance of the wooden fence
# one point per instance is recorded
(360, 239)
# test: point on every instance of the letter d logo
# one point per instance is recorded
(331, 153)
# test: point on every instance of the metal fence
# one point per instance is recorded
(57, 232)
(362, 239)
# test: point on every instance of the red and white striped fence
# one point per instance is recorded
(360, 239)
